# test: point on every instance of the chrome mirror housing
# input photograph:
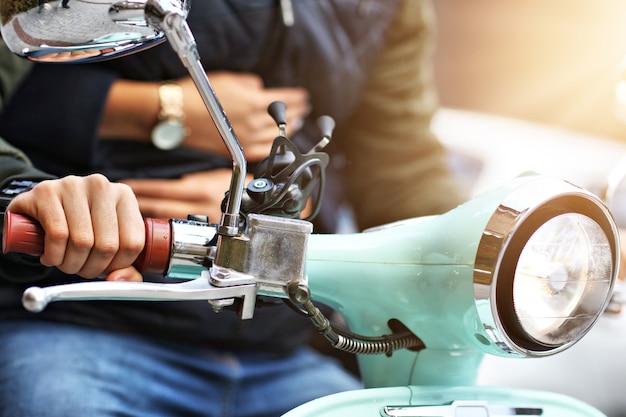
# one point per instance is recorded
(45, 31)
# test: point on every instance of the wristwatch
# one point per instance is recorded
(169, 132)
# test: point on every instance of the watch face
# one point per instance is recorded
(168, 134)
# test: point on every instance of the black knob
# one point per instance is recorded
(326, 125)
(278, 111)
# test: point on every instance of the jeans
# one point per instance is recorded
(58, 370)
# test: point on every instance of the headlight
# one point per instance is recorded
(547, 262)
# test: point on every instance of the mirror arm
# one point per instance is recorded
(171, 19)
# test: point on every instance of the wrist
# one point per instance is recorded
(131, 111)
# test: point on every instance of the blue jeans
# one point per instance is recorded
(59, 370)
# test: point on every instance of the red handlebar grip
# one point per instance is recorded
(23, 234)
(155, 256)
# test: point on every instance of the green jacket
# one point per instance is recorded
(14, 164)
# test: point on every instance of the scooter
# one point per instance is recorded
(522, 271)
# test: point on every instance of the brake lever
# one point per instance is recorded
(35, 299)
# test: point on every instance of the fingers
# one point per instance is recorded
(169, 189)
(206, 185)
(245, 101)
(92, 241)
(176, 199)
(297, 103)
(125, 274)
(258, 130)
(128, 238)
(172, 209)
(47, 204)
(296, 100)
(197, 193)
(92, 226)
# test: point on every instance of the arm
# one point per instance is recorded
(78, 214)
(396, 168)
(64, 105)
(15, 166)
(132, 108)
(92, 226)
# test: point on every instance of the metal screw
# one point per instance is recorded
(259, 184)
(221, 274)
(218, 305)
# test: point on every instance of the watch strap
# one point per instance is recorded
(170, 131)
(171, 102)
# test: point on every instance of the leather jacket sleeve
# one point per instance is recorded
(396, 168)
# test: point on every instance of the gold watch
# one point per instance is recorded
(169, 132)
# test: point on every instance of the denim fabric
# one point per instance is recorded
(59, 370)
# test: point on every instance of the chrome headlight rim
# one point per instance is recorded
(507, 232)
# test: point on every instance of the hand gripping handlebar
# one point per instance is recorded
(185, 250)
(23, 234)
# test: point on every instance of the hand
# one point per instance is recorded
(245, 103)
(196, 193)
(92, 226)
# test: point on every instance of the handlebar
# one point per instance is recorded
(23, 234)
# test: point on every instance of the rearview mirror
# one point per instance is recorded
(46, 31)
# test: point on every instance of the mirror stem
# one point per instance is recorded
(171, 20)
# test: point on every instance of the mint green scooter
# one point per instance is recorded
(523, 270)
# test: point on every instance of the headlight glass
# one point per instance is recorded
(562, 278)
(547, 262)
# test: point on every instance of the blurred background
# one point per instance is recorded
(548, 61)
(535, 85)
